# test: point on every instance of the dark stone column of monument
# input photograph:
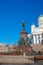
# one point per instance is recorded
(23, 34)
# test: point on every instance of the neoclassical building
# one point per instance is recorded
(37, 32)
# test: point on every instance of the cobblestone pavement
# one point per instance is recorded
(39, 63)
(14, 59)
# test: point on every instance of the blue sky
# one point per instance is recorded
(12, 13)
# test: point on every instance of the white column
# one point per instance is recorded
(34, 39)
(37, 39)
(40, 38)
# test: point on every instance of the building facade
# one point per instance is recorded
(3, 47)
(37, 32)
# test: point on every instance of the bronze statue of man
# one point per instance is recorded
(23, 25)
